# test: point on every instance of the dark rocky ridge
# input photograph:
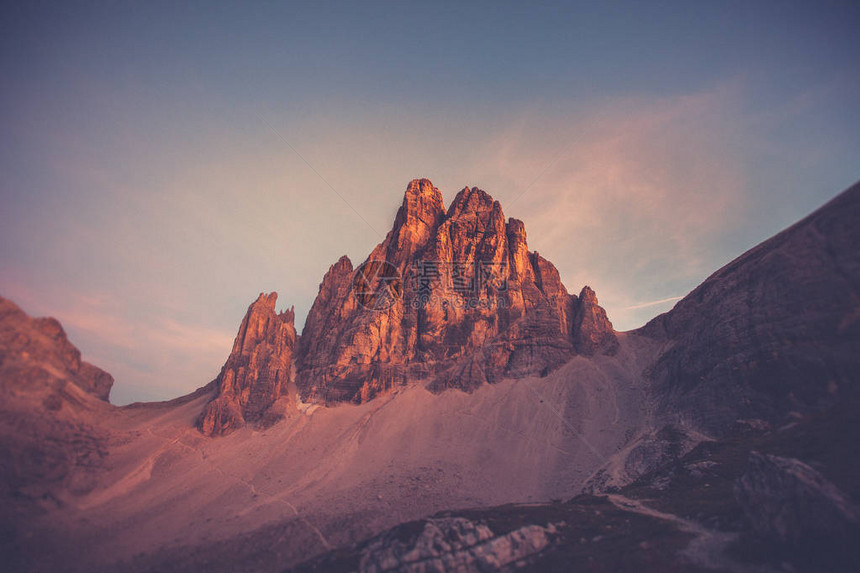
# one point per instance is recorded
(775, 331)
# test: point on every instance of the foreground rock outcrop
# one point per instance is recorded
(788, 501)
(453, 544)
(254, 379)
(465, 304)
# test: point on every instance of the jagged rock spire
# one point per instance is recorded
(472, 305)
(476, 306)
(257, 372)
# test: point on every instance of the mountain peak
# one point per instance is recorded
(419, 215)
(467, 284)
(266, 301)
(587, 293)
(464, 303)
(472, 200)
(421, 186)
(592, 326)
(256, 374)
(453, 297)
(421, 196)
(342, 265)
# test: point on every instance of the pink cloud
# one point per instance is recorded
(155, 357)
(629, 197)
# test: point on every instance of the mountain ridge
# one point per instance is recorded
(471, 305)
(657, 433)
(792, 307)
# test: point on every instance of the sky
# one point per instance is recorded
(161, 164)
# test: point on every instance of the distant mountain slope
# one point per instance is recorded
(775, 331)
(35, 354)
(50, 404)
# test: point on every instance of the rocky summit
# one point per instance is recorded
(451, 297)
(474, 306)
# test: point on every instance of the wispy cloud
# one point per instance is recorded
(653, 303)
(629, 198)
(151, 357)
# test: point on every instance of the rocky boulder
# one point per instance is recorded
(788, 501)
(452, 544)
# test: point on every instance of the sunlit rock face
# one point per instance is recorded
(453, 297)
(463, 302)
(592, 331)
(255, 376)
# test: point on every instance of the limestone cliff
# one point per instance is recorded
(472, 305)
(257, 372)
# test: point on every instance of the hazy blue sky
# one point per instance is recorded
(146, 201)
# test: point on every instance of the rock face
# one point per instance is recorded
(592, 329)
(50, 404)
(452, 544)
(773, 332)
(788, 501)
(642, 455)
(452, 296)
(36, 351)
(473, 305)
(257, 372)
